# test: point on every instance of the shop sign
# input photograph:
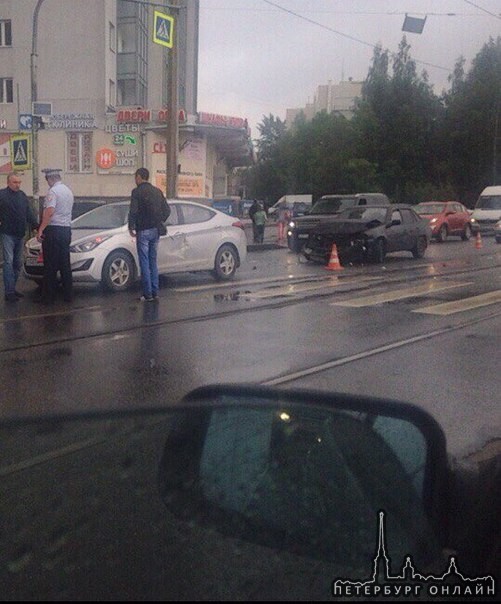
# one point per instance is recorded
(190, 186)
(5, 154)
(122, 128)
(144, 116)
(227, 121)
(120, 161)
(71, 121)
(121, 139)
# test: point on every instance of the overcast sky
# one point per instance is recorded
(256, 59)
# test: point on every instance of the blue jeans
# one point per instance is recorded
(147, 245)
(12, 261)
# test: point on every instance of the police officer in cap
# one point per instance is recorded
(55, 234)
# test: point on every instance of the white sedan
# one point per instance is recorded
(198, 238)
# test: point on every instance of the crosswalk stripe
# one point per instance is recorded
(293, 289)
(399, 294)
(449, 308)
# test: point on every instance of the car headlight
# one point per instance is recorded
(472, 220)
(433, 220)
(89, 244)
(292, 224)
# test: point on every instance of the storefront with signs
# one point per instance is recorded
(99, 157)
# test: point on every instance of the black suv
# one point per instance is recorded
(325, 210)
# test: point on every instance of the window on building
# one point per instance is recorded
(6, 90)
(112, 95)
(79, 151)
(126, 37)
(5, 33)
(113, 38)
(126, 92)
(132, 57)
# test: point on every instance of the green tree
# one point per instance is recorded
(472, 123)
(396, 123)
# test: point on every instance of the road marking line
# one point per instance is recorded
(291, 377)
(400, 294)
(300, 288)
(288, 279)
(449, 308)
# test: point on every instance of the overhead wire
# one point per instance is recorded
(482, 9)
(344, 35)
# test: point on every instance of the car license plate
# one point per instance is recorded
(303, 236)
(34, 261)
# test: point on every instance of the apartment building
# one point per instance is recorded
(103, 82)
(332, 98)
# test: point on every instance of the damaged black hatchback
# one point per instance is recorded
(368, 234)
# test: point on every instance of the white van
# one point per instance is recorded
(487, 211)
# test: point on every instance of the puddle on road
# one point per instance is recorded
(233, 297)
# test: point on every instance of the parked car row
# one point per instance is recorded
(370, 235)
(198, 238)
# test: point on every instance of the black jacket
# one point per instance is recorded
(148, 207)
(15, 213)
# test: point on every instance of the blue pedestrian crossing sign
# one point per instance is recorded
(163, 29)
(20, 151)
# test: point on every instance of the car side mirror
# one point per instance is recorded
(305, 472)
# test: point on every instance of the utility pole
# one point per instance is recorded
(172, 131)
(495, 147)
(34, 98)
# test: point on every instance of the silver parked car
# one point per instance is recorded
(198, 238)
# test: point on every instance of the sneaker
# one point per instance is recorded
(145, 299)
(18, 294)
(10, 298)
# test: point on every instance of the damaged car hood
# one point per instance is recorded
(346, 227)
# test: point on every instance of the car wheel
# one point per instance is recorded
(377, 252)
(420, 248)
(119, 271)
(466, 233)
(226, 263)
(442, 233)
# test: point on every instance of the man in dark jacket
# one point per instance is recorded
(252, 212)
(15, 215)
(148, 210)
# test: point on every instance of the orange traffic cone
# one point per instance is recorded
(334, 264)
(478, 241)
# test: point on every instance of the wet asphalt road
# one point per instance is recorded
(282, 321)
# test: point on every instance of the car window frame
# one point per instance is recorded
(183, 218)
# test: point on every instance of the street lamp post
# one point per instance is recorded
(34, 98)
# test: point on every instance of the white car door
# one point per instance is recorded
(191, 241)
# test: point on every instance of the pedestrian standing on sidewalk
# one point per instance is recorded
(252, 212)
(283, 220)
(148, 211)
(55, 234)
(260, 221)
(15, 215)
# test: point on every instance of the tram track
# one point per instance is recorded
(276, 296)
